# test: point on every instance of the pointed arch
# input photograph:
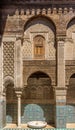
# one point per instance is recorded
(8, 80)
(33, 20)
(71, 22)
(39, 73)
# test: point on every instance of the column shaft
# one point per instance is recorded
(19, 111)
(60, 64)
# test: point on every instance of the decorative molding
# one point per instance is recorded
(39, 63)
(69, 40)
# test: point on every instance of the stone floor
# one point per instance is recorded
(70, 125)
(24, 126)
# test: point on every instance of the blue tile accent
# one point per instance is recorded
(2, 113)
(30, 112)
(61, 117)
(60, 110)
(11, 111)
(70, 113)
(44, 112)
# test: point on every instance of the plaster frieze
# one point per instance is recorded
(8, 38)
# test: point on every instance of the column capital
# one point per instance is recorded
(60, 96)
(60, 88)
(60, 91)
(18, 92)
(61, 38)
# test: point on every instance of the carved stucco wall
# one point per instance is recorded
(69, 45)
(8, 59)
(32, 66)
(71, 90)
(70, 42)
(43, 28)
(38, 89)
(27, 49)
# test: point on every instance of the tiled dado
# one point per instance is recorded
(11, 113)
(65, 115)
(70, 113)
(30, 112)
(60, 117)
(43, 112)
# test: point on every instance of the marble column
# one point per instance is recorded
(19, 108)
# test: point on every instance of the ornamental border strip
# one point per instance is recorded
(37, 129)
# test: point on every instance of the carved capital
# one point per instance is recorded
(19, 37)
(60, 91)
(60, 38)
(18, 92)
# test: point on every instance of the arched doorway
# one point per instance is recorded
(71, 100)
(38, 99)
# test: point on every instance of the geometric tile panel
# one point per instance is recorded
(8, 59)
(32, 112)
(61, 122)
(61, 116)
(70, 113)
(66, 112)
(60, 110)
(11, 113)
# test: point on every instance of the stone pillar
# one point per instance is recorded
(60, 63)
(60, 91)
(2, 110)
(60, 109)
(18, 71)
(2, 95)
(18, 74)
(19, 108)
